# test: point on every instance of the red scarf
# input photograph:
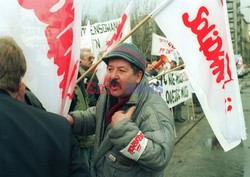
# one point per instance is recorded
(116, 108)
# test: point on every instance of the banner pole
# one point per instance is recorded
(106, 53)
(123, 39)
(177, 67)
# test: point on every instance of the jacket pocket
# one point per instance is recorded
(118, 166)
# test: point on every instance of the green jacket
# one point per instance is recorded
(81, 104)
(152, 118)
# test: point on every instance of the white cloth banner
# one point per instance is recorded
(200, 32)
(162, 46)
(174, 87)
(101, 33)
(86, 38)
(107, 35)
(49, 34)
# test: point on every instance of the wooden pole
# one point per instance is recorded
(91, 79)
(167, 72)
(106, 53)
(124, 38)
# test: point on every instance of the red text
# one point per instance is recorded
(210, 44)
(59, 34)
(135, 144)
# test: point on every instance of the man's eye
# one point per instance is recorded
(122, 71)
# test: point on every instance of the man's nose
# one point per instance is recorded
(113, 75)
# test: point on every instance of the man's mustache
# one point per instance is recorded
(114, 83)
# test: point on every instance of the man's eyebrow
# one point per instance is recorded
(118, 66)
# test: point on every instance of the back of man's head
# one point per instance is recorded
(12, 64)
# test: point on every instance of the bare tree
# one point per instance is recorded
(143, 36)
(113, 9)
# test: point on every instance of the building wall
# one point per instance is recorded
(239, 30)
(245, 40)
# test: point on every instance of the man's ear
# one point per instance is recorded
(139, 76)
(21, 91)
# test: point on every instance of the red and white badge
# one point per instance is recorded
(136, 147)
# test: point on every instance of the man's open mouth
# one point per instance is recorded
(114, 85)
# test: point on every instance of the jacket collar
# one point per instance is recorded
(140, 91)
(4, 92)
(139, 94)
(84, 67)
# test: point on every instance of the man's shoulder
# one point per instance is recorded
(48, 116)
(12, 109)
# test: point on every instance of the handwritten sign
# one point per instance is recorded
(175, 87)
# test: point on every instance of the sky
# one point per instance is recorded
(93, 7)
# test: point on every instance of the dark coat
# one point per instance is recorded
(93, 92)
(35, 143)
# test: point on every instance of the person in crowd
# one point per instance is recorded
(150, 72)
(32, 100)
(134, 129)
(27, 96)
(80, 101)
(33, 142)
(177, 108)
(86, 61)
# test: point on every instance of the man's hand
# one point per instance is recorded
(70, 119)
(120, 115)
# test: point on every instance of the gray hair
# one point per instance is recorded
(82, 52)
(12, 64)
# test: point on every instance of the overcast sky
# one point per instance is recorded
(94, 7)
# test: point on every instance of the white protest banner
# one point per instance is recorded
(86, 38)
(120, 31)
(102, 32)
(175, 87)
(48, 31)
(200, 32)
(162, 46)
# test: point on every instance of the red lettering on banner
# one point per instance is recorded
(162, 50)
(135, 144)
(59, 34)
(211, 44)
(168, 43)
(229, 107)
(221, 1)
(118, 33)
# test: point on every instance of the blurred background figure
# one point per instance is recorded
(177, 108)
(150, 72)
(83, 99)
(86, 61)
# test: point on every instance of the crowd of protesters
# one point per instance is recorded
(121, 132)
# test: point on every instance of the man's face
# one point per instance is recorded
(172, 65)
(88, 59)
(149, 68)
(121, 80)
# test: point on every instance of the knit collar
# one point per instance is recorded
(118, 106)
